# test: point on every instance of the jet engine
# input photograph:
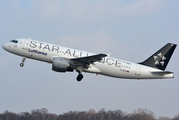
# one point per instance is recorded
(61, 65)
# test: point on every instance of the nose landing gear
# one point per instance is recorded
(23, 60)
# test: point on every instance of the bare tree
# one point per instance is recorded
(43, 114)
(164, 118)
(176, 117)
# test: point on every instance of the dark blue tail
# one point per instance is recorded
(161, 58)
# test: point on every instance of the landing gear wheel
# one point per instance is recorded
(79, 77)
(21, 64)
(23, 60)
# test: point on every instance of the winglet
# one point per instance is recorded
(109, 54)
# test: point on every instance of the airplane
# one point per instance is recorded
(64, 59)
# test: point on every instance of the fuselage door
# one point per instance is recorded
(26, 45)
(138, 70)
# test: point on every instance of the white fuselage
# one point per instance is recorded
(108, 66)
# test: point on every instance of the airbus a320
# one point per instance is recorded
(64, 59)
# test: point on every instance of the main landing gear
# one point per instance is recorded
(23, 60)
(80, 76)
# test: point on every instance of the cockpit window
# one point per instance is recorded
(14, 41)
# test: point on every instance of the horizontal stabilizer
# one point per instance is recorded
(161, 72)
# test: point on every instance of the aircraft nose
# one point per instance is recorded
(4, 46)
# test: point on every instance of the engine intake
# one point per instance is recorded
(60, 64)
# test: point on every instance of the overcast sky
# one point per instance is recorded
(131, 30)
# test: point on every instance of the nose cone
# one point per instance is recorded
(4, 46)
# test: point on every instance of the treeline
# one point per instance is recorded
(43, 114)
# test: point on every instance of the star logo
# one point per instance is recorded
(159, 59)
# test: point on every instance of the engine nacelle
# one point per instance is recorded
(60, 64)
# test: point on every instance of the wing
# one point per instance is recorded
(87, 60)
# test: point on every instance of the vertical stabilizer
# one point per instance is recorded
(161, 58)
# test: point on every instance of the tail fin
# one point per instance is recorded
(161, 58)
